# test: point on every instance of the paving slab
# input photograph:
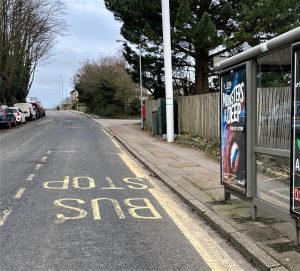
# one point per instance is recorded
(201, 181)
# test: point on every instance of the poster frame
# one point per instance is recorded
(295, 48)
(247, 191)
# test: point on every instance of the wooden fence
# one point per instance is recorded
(273, 117)
(200, 115)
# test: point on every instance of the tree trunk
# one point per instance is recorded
(201, 72)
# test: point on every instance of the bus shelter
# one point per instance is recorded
(260, 127)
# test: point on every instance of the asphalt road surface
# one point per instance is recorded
(71, 198)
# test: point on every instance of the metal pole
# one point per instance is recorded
(59, 94)
(168, 69)
(62, 88)
(61, 81)
(141, 86)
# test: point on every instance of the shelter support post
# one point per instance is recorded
(297, 231)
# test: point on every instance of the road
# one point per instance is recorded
(71, 198)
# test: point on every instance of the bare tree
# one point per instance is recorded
(28, 32)
(106, 88)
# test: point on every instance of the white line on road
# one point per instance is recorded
(30, 177)
(65, 151)
(20, 193)
(38, 166)
(4, 217)
(44, 158)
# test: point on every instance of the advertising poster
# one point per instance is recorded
(295, 178)
(233, 129)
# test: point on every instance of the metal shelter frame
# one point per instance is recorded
(249, 59)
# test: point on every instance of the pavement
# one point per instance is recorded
(195, 177)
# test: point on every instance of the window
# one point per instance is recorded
(274, 100)
(274, 126)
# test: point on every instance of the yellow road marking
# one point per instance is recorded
(38, 166)
(58, 184)
(111, 185)
(96, 208)
(62, 218)
(91, 182)
(207, 246)
(137, 171)
(112, 139)
(131, 164)
(4, 217)
(20, 193)
(30, 177)
(148, 206)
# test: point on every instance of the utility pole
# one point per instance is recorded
(168, 69)
(62, 89)
(141, 86)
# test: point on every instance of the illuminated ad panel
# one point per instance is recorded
(295, 157)
(233, 129)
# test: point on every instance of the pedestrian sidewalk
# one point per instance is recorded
(195, 177)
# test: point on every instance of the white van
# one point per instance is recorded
(27, 109)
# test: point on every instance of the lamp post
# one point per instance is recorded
(141, 82)
(62, 89)
(168, 69)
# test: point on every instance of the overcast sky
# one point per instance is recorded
(92, 32)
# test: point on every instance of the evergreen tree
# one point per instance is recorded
(200, 30)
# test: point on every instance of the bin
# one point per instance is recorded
(155, 124)
(162, 120)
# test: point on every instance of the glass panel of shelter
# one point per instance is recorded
(273, 116)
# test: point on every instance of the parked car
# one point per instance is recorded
(27, 109)
(20, 116)
(36, 112)
(44, 111)
(7, 118)
(39, 109)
